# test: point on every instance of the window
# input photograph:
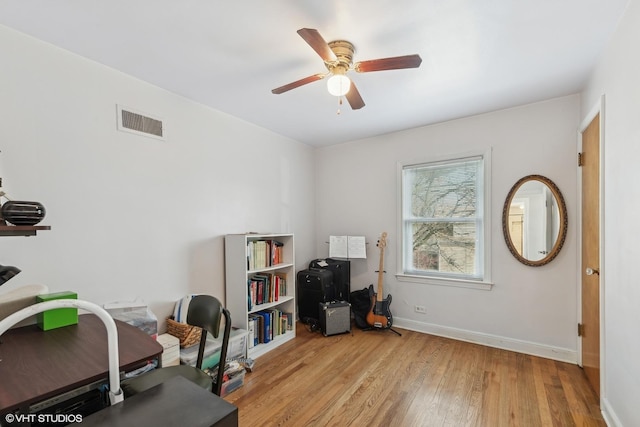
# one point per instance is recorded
(443, 229)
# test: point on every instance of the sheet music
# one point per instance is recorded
(356, 247)
(338, 247)
(347, 247)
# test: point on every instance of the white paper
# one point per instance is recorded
(347, 247)
(338, 247)
(356, 247)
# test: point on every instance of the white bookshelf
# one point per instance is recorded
(239, 272)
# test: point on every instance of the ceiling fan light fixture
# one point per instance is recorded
(338, 85)
(338, 60)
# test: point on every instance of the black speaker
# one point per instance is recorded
(335, 317)
(23, 213)
(314, 286)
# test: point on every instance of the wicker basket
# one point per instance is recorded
(187, 334)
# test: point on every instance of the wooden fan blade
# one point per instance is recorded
(354, 98)
(394, 63)
(298, 83)
(317, 43)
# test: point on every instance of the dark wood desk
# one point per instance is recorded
(174, 403)
(36, 365)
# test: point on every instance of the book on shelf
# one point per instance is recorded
(259, 325)
(251, 336)
(264, 253)
(276, 252)
(265, 288)
(256, 335)
(287, 321)
(254, 293)
(290, 321)
(254, 324)
(266, 326)
(263, 282)
(281, 284)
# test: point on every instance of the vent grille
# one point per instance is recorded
(135, 122)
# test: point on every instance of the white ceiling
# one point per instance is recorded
(478, 56)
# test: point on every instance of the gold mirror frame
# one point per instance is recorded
(562, 211)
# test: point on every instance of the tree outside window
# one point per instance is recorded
(442, 211)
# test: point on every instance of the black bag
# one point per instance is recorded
(360, 305)
(341, 270)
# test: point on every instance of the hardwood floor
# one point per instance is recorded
(377, 378)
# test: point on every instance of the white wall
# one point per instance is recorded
(618, 78)
(530, 309)
(133, 217)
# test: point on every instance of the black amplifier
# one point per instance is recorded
(335, 317)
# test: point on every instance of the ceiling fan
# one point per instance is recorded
(338, 58)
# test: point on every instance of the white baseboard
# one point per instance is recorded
(526, 347)
(608, 414)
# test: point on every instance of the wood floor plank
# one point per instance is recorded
(540, 368)
(378, 378)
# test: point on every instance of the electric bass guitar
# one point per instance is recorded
(379, 315)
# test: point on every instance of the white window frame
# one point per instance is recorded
(484, 282)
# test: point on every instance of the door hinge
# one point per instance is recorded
(580, 329)
(580, 159)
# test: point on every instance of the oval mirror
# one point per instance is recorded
(534, 220)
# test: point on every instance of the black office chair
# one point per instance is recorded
(205, 312)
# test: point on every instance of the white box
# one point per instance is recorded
(171, 350)
(168, 341)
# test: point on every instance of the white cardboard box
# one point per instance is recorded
(171, 352)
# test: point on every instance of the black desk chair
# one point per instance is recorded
(205, 312)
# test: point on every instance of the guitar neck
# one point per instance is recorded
(381, 268)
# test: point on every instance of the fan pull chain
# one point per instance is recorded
(339, 105)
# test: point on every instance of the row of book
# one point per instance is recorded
(266, 325)
(266, 287)
(264, 253)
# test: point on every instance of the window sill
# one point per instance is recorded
(460, 283)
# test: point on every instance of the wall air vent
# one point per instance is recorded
(133, 121)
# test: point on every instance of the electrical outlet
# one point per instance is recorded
(420, 309)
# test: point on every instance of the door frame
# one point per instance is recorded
(599, 107)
